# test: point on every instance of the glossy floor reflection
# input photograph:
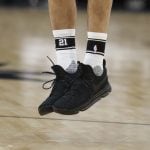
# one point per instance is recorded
(118, 122)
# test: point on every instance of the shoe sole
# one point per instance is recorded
(45, 112)
(97, 97)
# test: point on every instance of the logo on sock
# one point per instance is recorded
(95, 48)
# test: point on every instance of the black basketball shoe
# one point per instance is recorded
(84, 92)
(61, 84)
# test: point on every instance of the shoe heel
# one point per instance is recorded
(108, 88)
(106, 92)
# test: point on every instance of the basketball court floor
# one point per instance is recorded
(121, 121)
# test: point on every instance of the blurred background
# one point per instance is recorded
(120, 122)
(132, 5)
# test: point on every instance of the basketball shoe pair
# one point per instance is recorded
(72, 93)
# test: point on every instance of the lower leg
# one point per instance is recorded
(62, 14)
(63, 18)
(98, 20)
(99, 15)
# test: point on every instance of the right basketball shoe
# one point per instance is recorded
(84, 92)
(61, 84)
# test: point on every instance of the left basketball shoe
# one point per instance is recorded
(61, 84)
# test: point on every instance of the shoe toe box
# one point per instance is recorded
(46, 107)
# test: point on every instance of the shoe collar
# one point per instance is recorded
(87, 70)
(61, 73)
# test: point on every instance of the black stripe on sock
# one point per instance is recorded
(97, 40)
(65, 37)
(96, 46)
(66, 48)
(102, 54)
(65, 42)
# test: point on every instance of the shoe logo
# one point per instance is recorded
(95, 48)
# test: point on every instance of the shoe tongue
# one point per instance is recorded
(59, 71)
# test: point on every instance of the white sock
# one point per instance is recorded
(95, 51)
(66, 49)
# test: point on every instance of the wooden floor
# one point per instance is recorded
(118, 122)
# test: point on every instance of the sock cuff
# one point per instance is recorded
(97, 35)
(64, 33)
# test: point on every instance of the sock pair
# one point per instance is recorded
(66, 50)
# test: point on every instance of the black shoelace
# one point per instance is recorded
(49, 81)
